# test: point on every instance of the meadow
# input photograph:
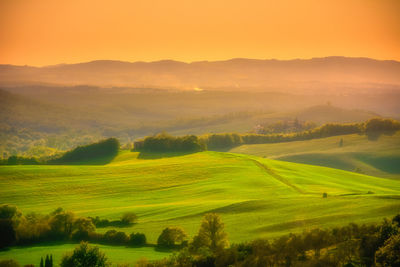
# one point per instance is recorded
(256, 197)
(378, 158)
(116, 254)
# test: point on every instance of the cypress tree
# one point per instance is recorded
(47, 261)
(41, 262)
(51, 260)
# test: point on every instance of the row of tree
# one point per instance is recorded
(104, 151)
(60, 225)
(372, 128)
(99, 152)
(164, 142)
(285, 126)
(351, 245)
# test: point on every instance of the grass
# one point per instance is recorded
(121, 255)
(377, 158)
(256, 197)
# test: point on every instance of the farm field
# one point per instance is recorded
(256, 197)
(378, 158)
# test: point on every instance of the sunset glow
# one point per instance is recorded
(47, 32)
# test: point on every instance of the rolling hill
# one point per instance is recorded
(379, 158)
(270, 197)
(322, 75)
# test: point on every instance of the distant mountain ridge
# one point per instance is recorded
(326, 74)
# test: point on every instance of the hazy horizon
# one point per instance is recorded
(43, 33)
(200, 61)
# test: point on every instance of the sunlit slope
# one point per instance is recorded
(379, 158)
(255, 196)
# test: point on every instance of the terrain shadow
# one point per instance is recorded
(159, 155)
(87, 161)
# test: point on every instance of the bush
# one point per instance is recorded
(128, 218)
(116, 238)
(9, 263)
(137, 239)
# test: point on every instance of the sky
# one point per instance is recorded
(46, 32)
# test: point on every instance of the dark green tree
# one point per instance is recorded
(7, 233)
(47, 261)
(389, 254)
(85, 256)
(170, 236)
(211, 233)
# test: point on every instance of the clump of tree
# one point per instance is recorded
(85, 255)
(102, 151)
(48, 262)
(17, 160)
(171, 237)
(164, 142)
(376, 127)
(59, 225)
(223, 140)
(137, 239)
(285, 126)
(127, 219)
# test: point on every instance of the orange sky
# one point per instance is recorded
(43, 32)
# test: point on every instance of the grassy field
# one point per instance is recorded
(256, 197)
(378, 158)
(32, 254)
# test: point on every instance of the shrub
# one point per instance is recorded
(114, 237)
(128, 218)
(137, 239)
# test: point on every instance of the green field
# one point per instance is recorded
(256, 197)
(116, 254)
(378, 158)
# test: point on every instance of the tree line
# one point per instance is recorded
(104, 151)
(164, 142)
(350, 245)
(373, 128)
(62, 225)
(99, 152)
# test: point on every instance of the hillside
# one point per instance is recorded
(39, 118)
(269, 197)
(379, 158)
(322, 75)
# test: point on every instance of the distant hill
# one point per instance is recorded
(328, 113)
(298, 75)
(357, 153)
